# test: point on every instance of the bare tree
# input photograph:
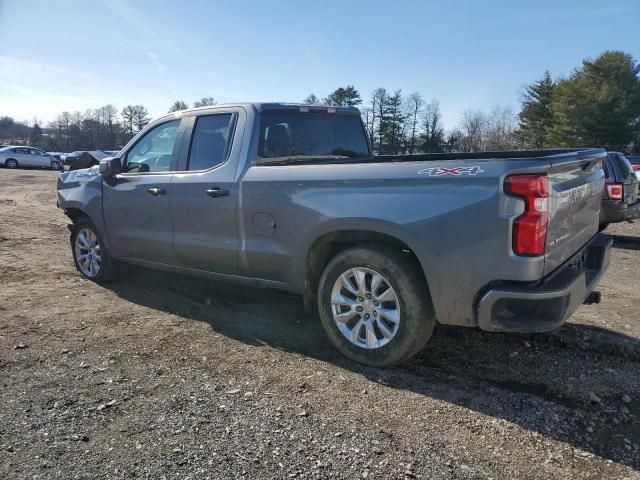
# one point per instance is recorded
(473, 125)
(500, 129)
(378, 103)
(109, 114)
(433, 136)
(414, 107)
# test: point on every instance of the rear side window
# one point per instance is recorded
(210, 141)
(625, 166)
(307, 137)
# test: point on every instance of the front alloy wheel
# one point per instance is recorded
(87, 250)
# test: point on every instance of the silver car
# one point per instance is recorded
(15, 157)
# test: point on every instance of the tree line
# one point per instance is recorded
(104, 128)
(597, 104)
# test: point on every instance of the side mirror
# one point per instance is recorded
(110, 167)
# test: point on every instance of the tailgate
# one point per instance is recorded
(575, 186)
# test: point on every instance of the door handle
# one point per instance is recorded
(155, 191)
(217, 192)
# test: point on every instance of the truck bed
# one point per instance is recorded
(432, 157)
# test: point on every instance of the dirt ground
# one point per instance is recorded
(165, 376)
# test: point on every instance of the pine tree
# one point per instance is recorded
(177, 106)
(312, 100)
(392, 124)
(344, 97)
(205, 102)
(536, 117)
(598, 104)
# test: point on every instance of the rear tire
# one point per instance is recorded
(90, 254)
(363, 331)
(11, 163)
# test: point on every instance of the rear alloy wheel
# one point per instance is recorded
(365, 308)
(11, 163)
(374, 305)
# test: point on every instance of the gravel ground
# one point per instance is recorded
(165, 376)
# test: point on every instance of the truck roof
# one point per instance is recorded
(272, 106)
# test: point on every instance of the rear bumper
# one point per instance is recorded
(614, 211)
(546, 305)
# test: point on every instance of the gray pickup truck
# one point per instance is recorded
(290, 197)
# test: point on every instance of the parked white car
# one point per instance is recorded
(15, 157)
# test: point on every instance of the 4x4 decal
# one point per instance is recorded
(456, 171)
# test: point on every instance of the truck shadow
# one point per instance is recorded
(566, 385)
(627, 242)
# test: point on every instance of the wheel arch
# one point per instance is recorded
(75, 213)
(329, 244)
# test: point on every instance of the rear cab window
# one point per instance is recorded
(297, 137)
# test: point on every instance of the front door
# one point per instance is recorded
(39, 158)
(205, 193)
(136, 202)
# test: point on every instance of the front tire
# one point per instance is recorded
(374, 305)
(55, 165)
(90, 254)
(11, 163)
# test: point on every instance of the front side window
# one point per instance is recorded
(209, 145)
(301, 137)
(153, 152)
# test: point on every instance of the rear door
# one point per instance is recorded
(576, 181)
(205, 192)
(136, 202)
(23, 155)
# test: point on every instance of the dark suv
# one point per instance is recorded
(620, 197)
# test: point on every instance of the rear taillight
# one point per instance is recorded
(614, 191)
(530, 228)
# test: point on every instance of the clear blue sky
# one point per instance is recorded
(78, 54)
